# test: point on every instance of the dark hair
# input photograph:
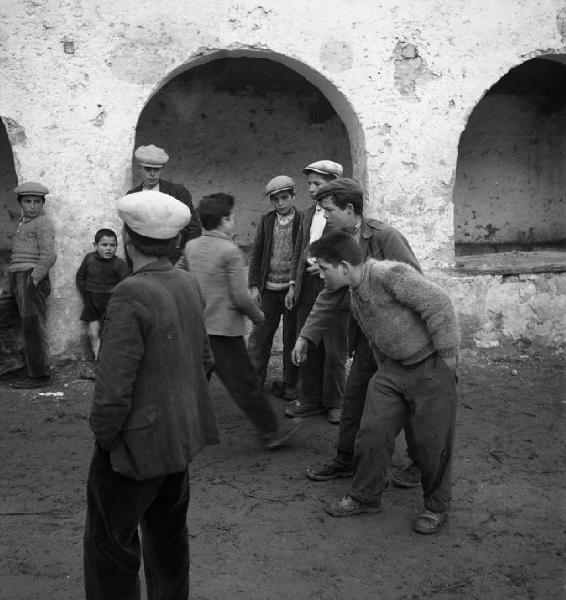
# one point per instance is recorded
(213, 207)
(151, 246)
(104, 233)
(335, 247)
(342, 198)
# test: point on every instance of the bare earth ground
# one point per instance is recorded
(257, 526)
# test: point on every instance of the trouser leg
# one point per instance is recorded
(312, 369)
(32, 305)
(382, 419)
(165, 537)
(354, 399)
(290, 371)
(115, 505)
(234, 368)
(433, 399)
(261, 338)
(335, 348)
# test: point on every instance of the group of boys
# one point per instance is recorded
(344, 284)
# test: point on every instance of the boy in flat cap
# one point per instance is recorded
(411, 327)
(268, 280)
(342, 201)
(33, 255)
(151, 413)
(219, 267)
(151, 161)
(323, 374)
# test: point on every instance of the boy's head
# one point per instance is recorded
(281, 192)
(343, 202)
(150, 161)
(321, 172)
(152, 222)
(105, 243)
(216, 211)
(31, 196)
(339, 258)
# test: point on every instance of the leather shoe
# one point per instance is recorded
(300, 409)
(430, 522)
(31, 383)
(329, 471)
(348, 507)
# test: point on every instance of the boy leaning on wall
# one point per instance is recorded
(33, 255)
(100, 271)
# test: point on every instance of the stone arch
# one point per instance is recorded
(9, 210)
(232, 120)
(510, 186)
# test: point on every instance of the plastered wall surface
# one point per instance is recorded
(402, 77)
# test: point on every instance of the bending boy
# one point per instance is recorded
(411, 326)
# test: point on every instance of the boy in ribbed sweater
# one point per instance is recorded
(33, 254)
(412, 329)
(97, 276)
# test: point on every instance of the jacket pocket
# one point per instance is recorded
(141, 417)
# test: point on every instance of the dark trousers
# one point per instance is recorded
(323, 374)
(362, 370)
(261, 338)
(116, 506)
(234, 368)
(32, 306)
(423, 398)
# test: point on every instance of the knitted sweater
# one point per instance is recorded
(404, 316)
(100, 275)
(281, 254)
(34, 246)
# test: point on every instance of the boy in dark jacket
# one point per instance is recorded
(97, 276)
(268, 281)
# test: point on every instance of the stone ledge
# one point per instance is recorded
(510, 263)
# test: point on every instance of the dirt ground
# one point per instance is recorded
(257, 525)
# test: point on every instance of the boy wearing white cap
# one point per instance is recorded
(323, 374)
(151, 161)
(219, 267)
(151, 413)
(268, 280)
(33, 255)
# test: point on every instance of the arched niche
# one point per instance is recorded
(510, 188)
(234, 121)
(9, 208)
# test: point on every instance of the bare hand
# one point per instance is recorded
(313, 269)
(299, 352)
(254, 293)
(451, 363)
(260, 320)
(290, 297)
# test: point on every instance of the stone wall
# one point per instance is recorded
(403, 79)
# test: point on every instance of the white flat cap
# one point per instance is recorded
(153, 214)
(325, 167)
(151, 156)
(31, 188)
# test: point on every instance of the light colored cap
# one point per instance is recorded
(278, 184)
(151, 156)
(31, 188)
(153, 214)
(325, 167)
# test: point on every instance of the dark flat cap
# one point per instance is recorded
(342, 184)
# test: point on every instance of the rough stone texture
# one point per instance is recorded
(75, 113)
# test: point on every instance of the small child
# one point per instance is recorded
(33, 254)
(97, 276)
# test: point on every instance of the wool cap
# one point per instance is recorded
(151, 156)
(342, 184)
(31, 188)
(153, 214)
(278, 184)
(324, 167)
